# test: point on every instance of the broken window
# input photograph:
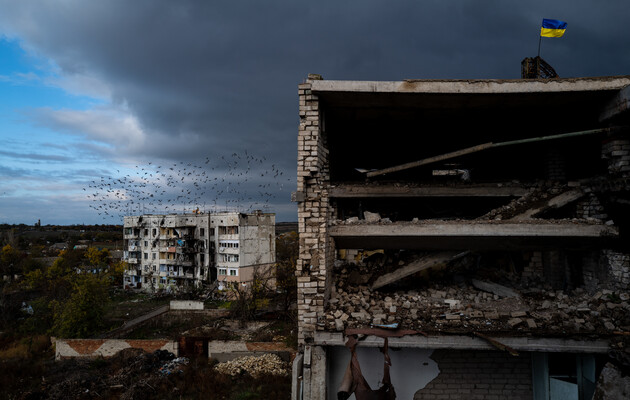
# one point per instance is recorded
(222, 271)
(562, 376)
(228, 230)
(202, 232)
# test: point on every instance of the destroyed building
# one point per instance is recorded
(178, 250)
(488, 217)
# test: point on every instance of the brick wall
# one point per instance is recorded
(316, 248)
(617, 152)
(618, 268)
(89, 348)
(479, 375)
(591, 207)
(533, 270)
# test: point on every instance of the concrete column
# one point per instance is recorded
(318, 373)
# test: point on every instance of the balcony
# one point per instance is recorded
(132, 260)
(228, 236)
(228, 250)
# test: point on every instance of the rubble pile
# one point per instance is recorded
(131, 374)
(173, 366)
(267, 364)
(476, 305)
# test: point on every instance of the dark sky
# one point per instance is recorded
(175, 81)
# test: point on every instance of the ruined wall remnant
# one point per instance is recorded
(89, 348)
(479, 375)
(313, 215)
(186, 305)
(618, 267)
(411, 369)
(617, 152)
(591, 207)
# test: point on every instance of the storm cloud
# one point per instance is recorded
(188, 80)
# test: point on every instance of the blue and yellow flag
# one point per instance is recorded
(553, 28)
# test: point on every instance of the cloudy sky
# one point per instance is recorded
(99, 99)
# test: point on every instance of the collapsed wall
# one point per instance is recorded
(91, 348)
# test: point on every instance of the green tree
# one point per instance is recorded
(81, 315)
(10, 260)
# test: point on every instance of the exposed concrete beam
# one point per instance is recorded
(430, 160)
(366, 191)
(617, 106)
(443, 235)
(481, 147)
(463, 342)
(475, 229)
(478, 86)
(558, 201)
(426, 262)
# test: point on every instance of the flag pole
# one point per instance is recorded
(539, 40)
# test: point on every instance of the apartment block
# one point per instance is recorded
(177, 250)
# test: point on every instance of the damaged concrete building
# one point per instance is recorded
(178, 250)
(487, 218)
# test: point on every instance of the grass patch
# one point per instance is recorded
(278, 331)
(126, 305)
(26, 348)
(218, 304)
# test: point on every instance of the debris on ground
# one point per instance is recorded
(173, 366)
(467, 305)
(256, 366)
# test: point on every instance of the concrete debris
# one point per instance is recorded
(371, 217)
(267, 364)
(494, 288)
(462, 307)
(131, 374)
(612, 384)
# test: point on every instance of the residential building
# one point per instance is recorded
(488, 219)
(176, 250)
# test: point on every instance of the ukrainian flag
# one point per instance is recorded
(553, 28)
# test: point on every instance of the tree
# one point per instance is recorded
(250, 296)
(10, 259)
(81, 315)
(96, 257)
(287, 248)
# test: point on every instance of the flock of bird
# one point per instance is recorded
(237, 183)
